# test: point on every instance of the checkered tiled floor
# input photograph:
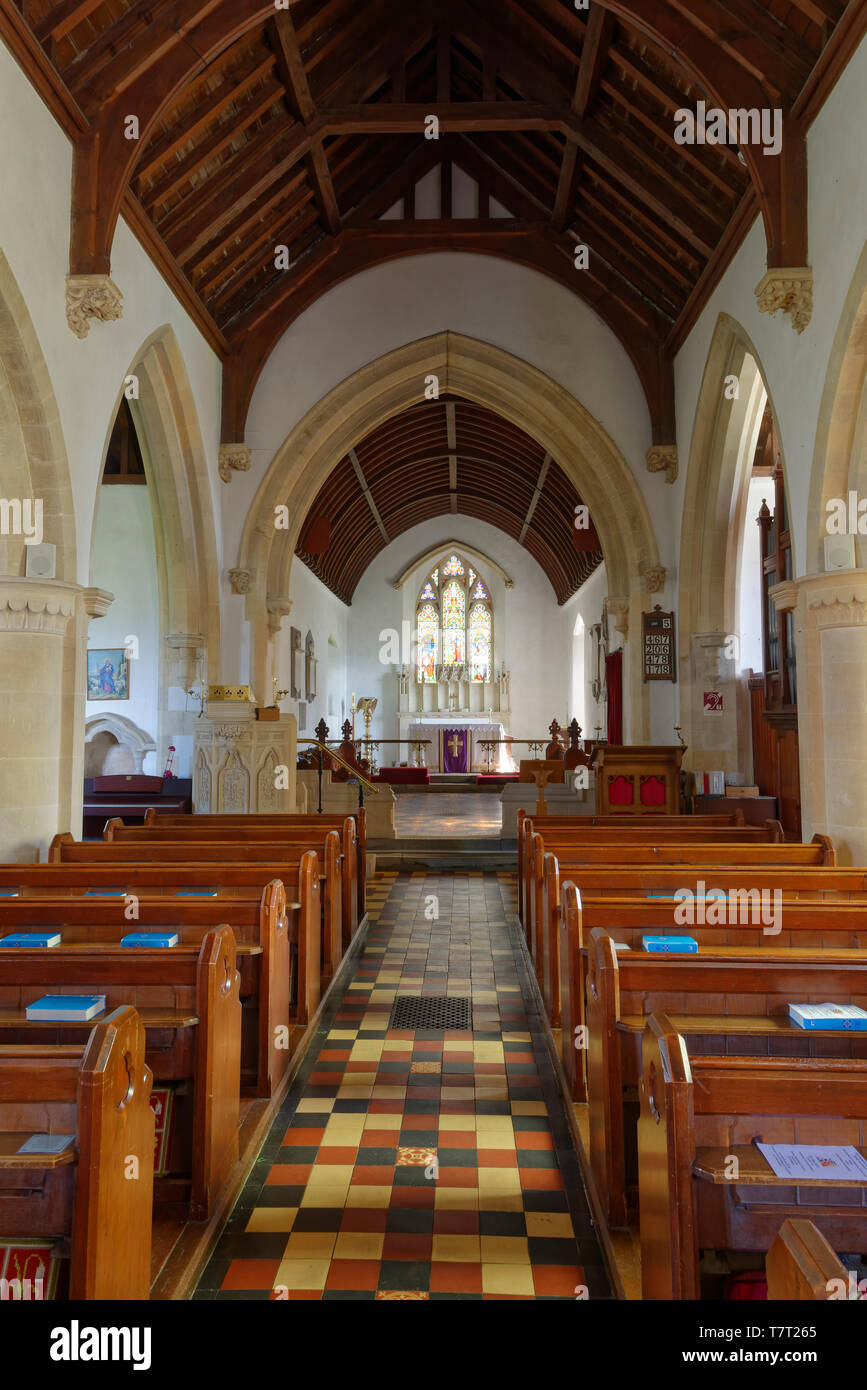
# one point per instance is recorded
(419, 1165)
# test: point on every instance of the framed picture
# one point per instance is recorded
(108, 674)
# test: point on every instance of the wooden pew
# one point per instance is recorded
(340, 889)
(807, 925)
(546, 824)
(547, 870)
(100, 1093)
(267, 935)
(95, 867)
(697, 1114)
(188, 1000)
(293, 821)
(801, 1265)
(209, 862)
(728, 998)
(632, 844)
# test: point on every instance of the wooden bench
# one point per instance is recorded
(685, 862)
(98, 868)
(635, 845)
(722, 999)
(545, 825)
(209, 861)
(98, 1092)
(806, 925)
(339, 866)
(801, 1265)
(295, 822)
(188, 1000)
(698, 1117)
(268, 933)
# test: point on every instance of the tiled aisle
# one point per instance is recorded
(419, 1165)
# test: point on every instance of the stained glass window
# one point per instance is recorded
(454, 609)
(479, 631)
(427, 622)
(455, 623)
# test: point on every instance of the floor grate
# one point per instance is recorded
(435, 1011)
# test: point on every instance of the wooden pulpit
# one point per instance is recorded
(637, 780)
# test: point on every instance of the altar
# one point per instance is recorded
(454, 743)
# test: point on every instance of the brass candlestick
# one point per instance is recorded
(278, 694)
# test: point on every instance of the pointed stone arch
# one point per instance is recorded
(184, 525)
(490, 376)
(42, 621)
(34, 457)
(724, 437)
(840, 454)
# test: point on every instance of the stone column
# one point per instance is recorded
(40, 672)
(831, 661)
(238, 759)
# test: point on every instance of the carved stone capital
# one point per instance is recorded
(97, 602)
(184, 652)
(618, 608)
(663, 457)
(785, 595)
(835, 599)
(233, 458)
(240, 581)
(790, 289)
(91, 297)
(278, 609)
(653, 577)
(28, 605)
(708, 650)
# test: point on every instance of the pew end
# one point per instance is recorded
(572, 992)
(113, 1211)
(216, 1115)
(669, 1249)
(801, 1264)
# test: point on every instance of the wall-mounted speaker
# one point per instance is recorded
(41, 561)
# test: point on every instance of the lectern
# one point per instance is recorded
(637, 780)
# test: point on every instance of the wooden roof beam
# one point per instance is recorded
(290, 65)
(367, 494)
(540, 483)
(160, 150)
(594, 56)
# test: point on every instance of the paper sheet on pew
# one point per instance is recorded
(831, 1162)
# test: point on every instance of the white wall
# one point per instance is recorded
(124, 562)
(794, 366)
(315, 609)
(528, 625)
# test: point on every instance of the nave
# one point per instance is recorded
(428, 1163)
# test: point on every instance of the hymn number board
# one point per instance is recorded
(658, 645)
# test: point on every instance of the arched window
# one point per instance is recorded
(455, 622)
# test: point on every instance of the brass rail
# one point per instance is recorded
(329, 753)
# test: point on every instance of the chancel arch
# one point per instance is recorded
(478, 372)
